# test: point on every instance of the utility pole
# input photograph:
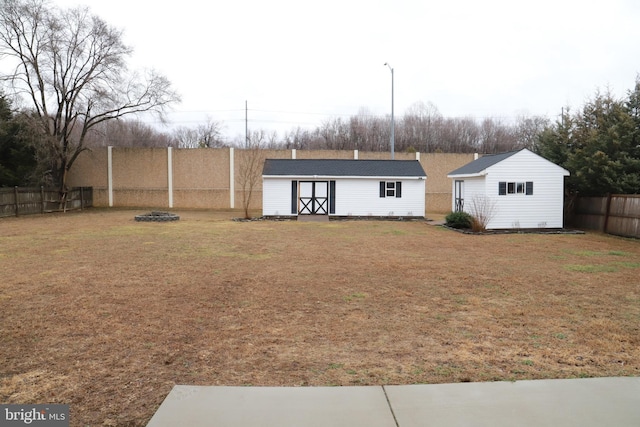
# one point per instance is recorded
(246, 124)
(393, 138)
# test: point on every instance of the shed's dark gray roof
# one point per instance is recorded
(337, 167)
(482, 163)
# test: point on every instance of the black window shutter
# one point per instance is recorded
(529, 189)
(294, 197)
(398, 189)
(332, 197)
(382, 189)
(502, 188)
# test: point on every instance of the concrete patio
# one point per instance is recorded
(577, 402)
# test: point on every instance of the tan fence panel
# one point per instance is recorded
(438, 186)
(323, 154)
(438, 202)
(201, 177)
(140, 177)
(91, 169)
(381, 155)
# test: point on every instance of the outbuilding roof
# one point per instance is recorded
(484, 162)
(341, 167)
(479, 166)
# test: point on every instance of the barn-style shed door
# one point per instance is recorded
(314, 198)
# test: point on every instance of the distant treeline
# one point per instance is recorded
(422, 128)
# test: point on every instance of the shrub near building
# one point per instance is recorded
(459, 220)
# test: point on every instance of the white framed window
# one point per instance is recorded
(516, 187)
(391, 189)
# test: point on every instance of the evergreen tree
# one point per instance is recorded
(599, 145)
(17, 159)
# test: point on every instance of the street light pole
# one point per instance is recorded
(393, 138)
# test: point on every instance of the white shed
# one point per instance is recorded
(519, 189)
(378, 188)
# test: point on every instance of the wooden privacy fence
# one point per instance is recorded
(26, 201)
(617, 214)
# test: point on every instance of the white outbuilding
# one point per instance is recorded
(343, 188)
(515, 190)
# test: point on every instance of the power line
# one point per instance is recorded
(324, 114)
(263, 120)
(234, 116)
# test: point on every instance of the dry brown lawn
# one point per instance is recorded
(107, 314)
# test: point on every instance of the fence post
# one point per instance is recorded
(170, 176)
(232, 179)
(41, 199)
(110, 174)
(81, 198)
(15, 197)
(606, 213)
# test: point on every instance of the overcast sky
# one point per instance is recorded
(298, 63)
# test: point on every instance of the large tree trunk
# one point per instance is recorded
(62, 187)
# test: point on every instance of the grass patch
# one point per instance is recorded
(397, 232)
(585, 253)
(591, 268)
(629, 264)
(619, 253)
(460, 300)
(354, 296)
(596, 253)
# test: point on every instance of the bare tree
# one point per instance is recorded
(297, 138)
(483, 210)
(70, 66)
(272, 141)
(210, 134)
(496, 137)
(207, 135)
(127, 133)
(528, 129)
(250, 162)
(456, 135)
(417, 127)
(369, 133)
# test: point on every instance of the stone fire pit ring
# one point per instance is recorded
(157, 217)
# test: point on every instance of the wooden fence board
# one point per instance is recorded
(28, 201)
(617, 214)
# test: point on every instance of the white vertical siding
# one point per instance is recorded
(472, 187)
(361, 197)
(543, 209)
(354, 197)
(276, 197)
